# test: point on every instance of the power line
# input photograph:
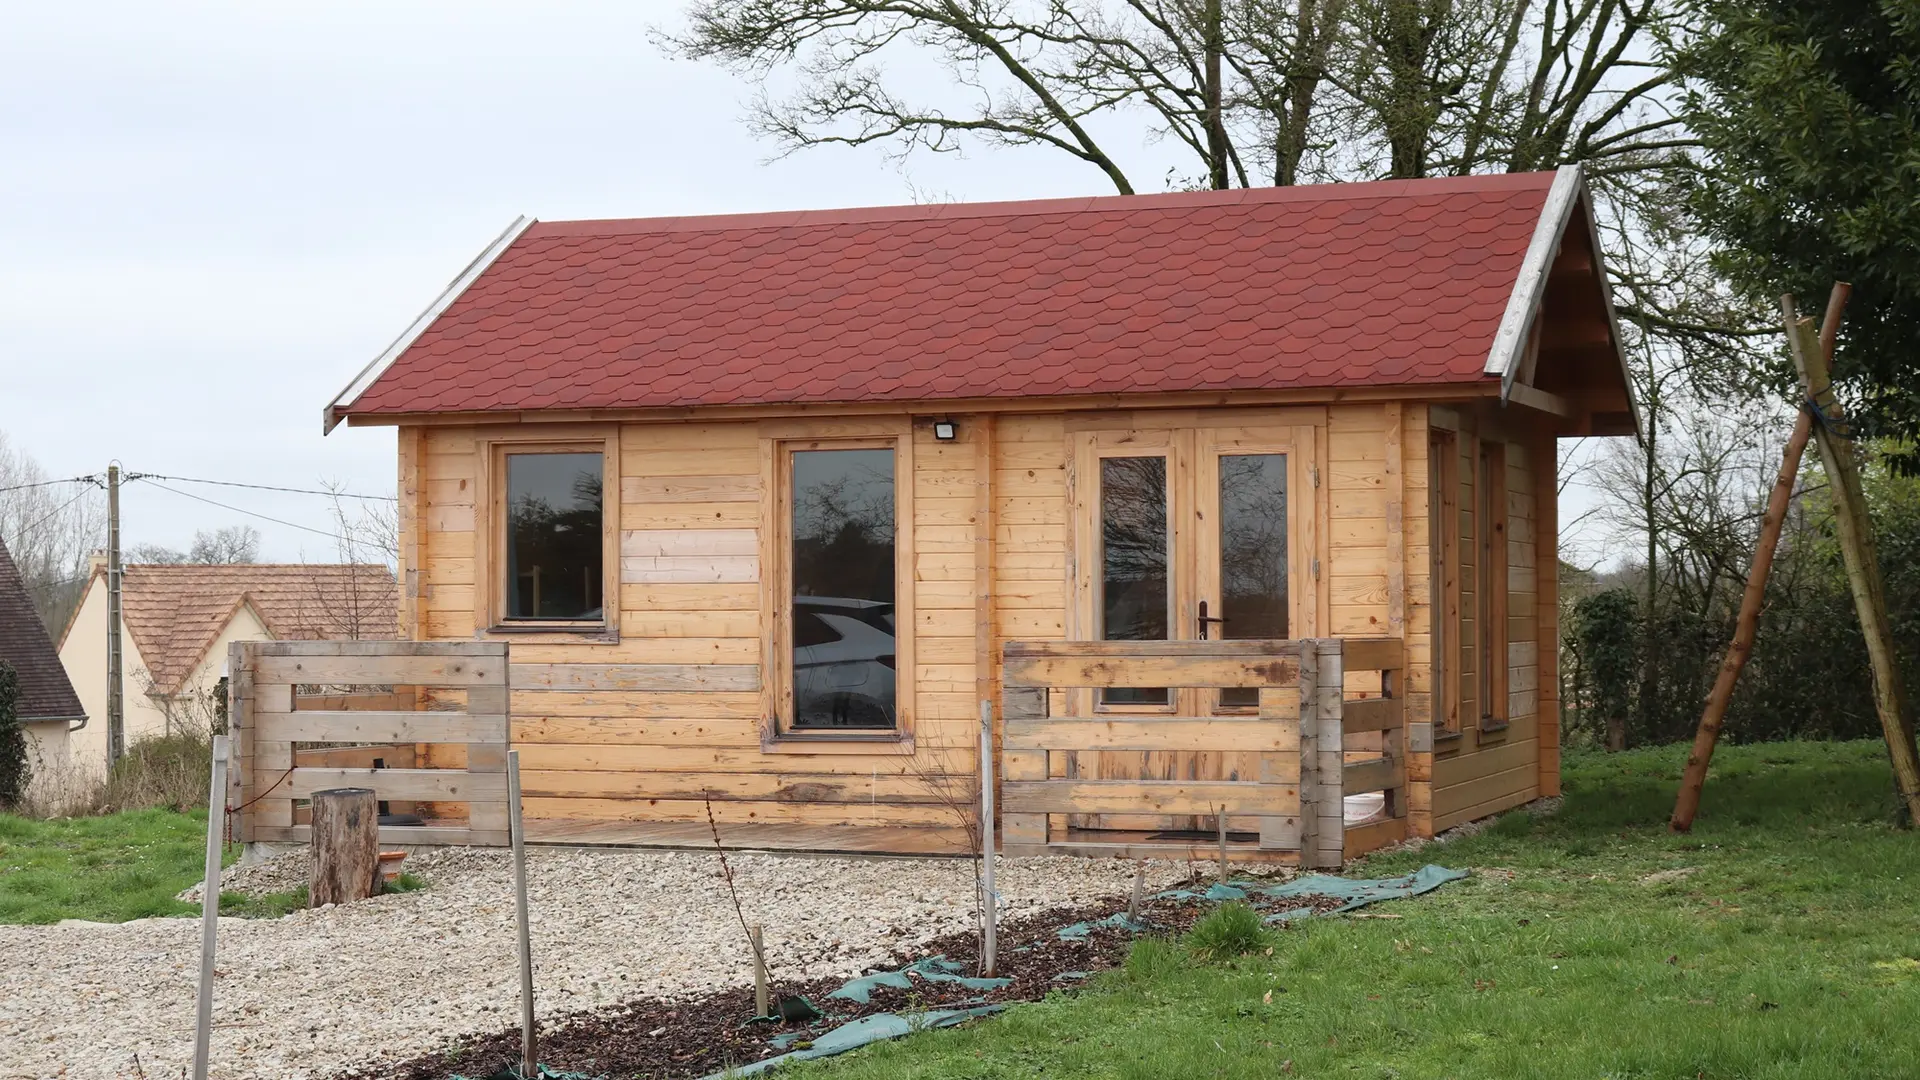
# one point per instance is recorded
(94, 479)
(277, 521)
(49, 516)
(261, 487)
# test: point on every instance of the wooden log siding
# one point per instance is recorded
(681, 686)
(266, 724)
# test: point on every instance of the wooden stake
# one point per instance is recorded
(1707, 736)
(346, 846)
(758, 941)
(1221, 822)
(1862, 558)
(1139, 886)
(517, 832)
(989, 900)
(210, 906)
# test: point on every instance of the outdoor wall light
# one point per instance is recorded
(946, 430)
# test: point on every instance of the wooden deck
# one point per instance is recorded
(769, 836)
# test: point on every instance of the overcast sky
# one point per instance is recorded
(217, 213)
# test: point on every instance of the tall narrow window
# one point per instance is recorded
(1253, 555)
(1490, 577)
(1444, 527)
(554, 539)
(1135, 600)
(842, 571)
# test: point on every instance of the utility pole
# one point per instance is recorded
(116, 707)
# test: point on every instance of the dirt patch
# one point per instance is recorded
(675, 1039)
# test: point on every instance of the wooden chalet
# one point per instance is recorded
(1235, 505)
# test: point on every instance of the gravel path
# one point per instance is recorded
(318, 991)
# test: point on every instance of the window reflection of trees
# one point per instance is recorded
(554, 546)
(1253, 545)
(1133, 540)
(843, 524)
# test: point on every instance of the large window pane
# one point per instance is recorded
(1253, 554)
(843, 586)
(553, 537)
(1133, 559)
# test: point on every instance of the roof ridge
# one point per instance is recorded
(1363, 191)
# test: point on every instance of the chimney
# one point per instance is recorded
(96, 561)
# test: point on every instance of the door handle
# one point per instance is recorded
(1204, 619)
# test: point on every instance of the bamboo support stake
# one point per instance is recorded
(1139, 886)
(1862, 558)
(529, 1045)
(1693, 780)
(989, 900)
(210, 906)
(759, 941)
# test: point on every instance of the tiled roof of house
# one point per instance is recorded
(45, 692)
(1334, 285)
(175, 612)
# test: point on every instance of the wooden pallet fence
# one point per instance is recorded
(1298, 734)
(268, 722)
(1377, 723)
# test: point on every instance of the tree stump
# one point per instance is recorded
(346, 846)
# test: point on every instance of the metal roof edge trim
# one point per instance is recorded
(334, 412)
(1529, 288)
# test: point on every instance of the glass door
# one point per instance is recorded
(1185, 534)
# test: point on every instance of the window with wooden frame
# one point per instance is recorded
(1444, 527)
(1491, 580)
(548, 554)
(839, 593)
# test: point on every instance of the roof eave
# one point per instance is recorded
(1568, 196)
(1530, 287)
(336, 409)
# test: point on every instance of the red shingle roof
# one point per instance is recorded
(1389, 283)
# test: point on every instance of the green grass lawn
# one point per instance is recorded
(118, 867)
(1781, 939)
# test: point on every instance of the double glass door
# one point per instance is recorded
(1188, 534)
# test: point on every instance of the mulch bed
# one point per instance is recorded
(677, 1039)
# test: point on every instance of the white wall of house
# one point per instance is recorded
(84, 654)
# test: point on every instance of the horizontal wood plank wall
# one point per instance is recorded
(1494, 771)
(645, 728)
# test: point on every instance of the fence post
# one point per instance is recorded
(1329, 801)
(989, 901)
(210, 904)
(1309, 726)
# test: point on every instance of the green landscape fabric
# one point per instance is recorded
(868, 1029)
(932, 969)
(1357, 893)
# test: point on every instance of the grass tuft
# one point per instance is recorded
(1233, 930)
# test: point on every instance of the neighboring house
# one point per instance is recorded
(757, 500)
(176, 624)
(48, 708)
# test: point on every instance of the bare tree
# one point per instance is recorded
(1308, 89)
(49, 525)
(226, 546)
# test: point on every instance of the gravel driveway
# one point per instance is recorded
(319, 991)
